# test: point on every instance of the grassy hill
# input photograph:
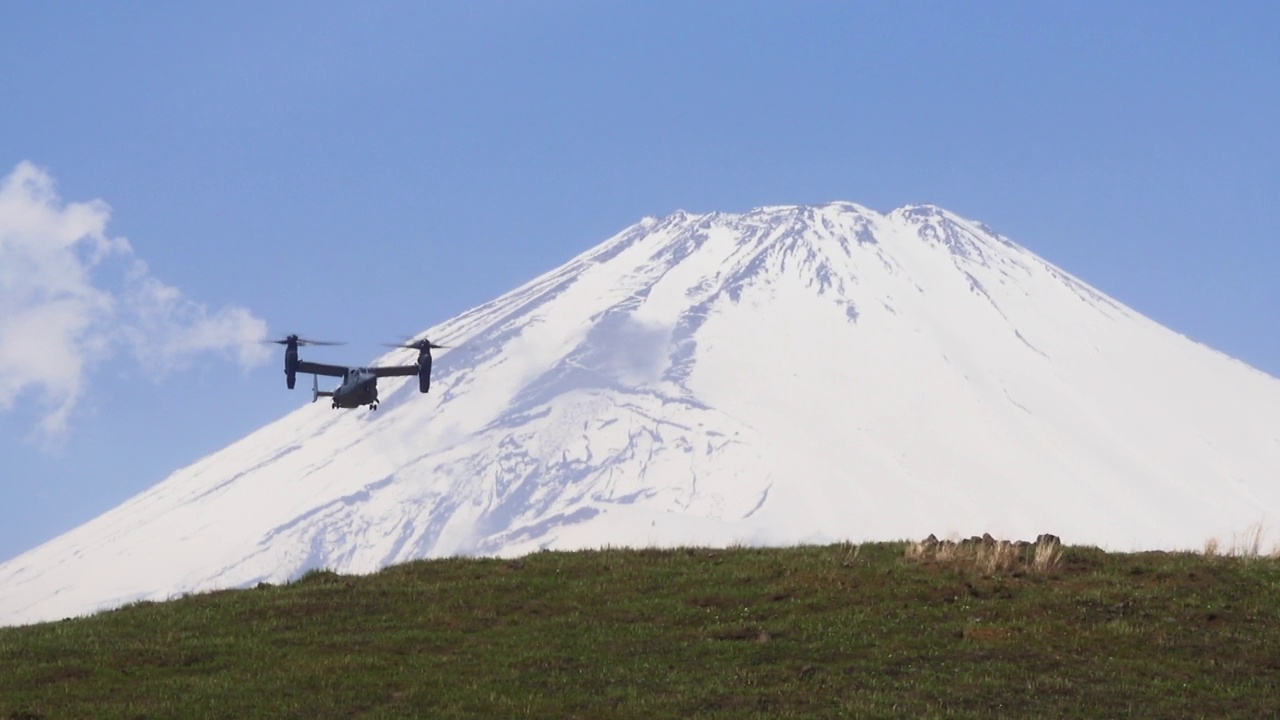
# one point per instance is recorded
(879, 630)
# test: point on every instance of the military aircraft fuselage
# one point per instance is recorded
(359, 387)
(359, 384)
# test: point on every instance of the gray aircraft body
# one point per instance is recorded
(359, 384)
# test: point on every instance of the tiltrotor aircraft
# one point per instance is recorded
(359, 384)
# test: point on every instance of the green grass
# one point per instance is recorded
(837, 631)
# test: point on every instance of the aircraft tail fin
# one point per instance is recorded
(316, 392)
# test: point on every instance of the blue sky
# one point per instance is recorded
(179, 179)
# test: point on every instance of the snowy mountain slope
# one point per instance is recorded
(793, 374)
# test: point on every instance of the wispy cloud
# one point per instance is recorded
(58, 318)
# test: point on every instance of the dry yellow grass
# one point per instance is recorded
(987, 556)
(1245, 544)
(1045, 556)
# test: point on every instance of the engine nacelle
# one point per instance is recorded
(291, 364)
(424, 371)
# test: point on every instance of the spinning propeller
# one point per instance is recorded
(295, 340)
(420, 345)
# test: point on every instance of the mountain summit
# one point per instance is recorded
(789, 375)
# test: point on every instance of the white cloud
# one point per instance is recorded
(165, 330)
(57, 320)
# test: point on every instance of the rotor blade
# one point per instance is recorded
(300, 341)
(418, 345)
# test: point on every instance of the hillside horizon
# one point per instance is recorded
(794, 374)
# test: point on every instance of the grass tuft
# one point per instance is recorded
(1246, 544)
(987, 557)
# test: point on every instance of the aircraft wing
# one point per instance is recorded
(312, 368)
(395, 370)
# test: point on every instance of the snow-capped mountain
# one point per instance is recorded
(788, 375)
